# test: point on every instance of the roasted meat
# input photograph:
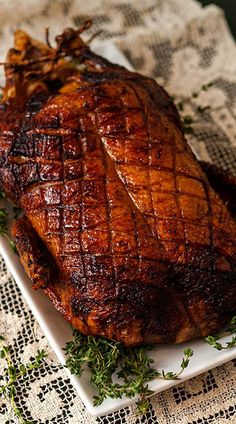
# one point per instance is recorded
(121, 227)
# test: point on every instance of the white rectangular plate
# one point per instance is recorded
(58, 332)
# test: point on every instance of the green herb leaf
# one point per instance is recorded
(187, 129)
(187, 119)
(213, 340)
(12, 374)
(184, 364)
(142, 406)
(13, 246)
(205, 87)
(104, 357)
(133, 367)
(202, 109)
(3, 221)
(180, 106)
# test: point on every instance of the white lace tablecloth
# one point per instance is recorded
(182, 46)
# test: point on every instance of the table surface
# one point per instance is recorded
(229, 7)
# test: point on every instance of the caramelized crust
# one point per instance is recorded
(143, 247)
(36, 260)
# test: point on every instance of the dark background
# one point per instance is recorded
(229, 7)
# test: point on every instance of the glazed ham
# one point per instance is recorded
(121, 228)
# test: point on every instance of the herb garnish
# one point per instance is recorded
(187, 129)
(132, 365)
(206, 86)
(3, 221)
(180, 106)
(202, 109)
(214, 340)
(185, 361)
(13, 246)
(12, 374)
(188, 120)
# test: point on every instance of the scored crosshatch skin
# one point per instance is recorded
(152, 45)
(112, 227)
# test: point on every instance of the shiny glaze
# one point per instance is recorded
(132, 241)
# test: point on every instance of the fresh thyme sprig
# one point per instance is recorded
(188, 120)
(106, 358)
(11, 375)
(184, 364)
(202, 109)
(205, 87)
(214, 340)
(3, 221)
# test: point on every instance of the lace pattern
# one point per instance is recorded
(183, 48)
